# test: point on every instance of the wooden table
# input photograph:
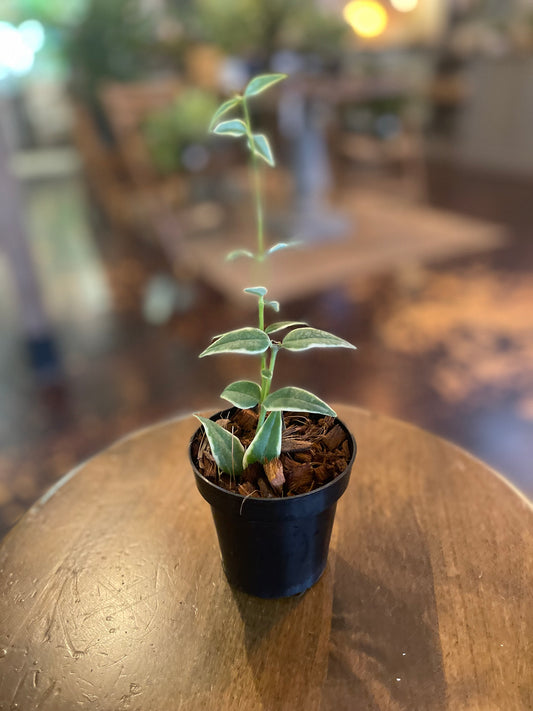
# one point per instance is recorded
(383, 235)
(112, 596)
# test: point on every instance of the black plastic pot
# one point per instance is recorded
(274, 547)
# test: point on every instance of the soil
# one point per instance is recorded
(314, 450)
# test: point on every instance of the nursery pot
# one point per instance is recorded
(275, 547)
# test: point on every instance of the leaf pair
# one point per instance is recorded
(236, 253)
(254, 341)
(260, 292)
(257, 142)
(228, 452)
(245, 393)
(256, 86)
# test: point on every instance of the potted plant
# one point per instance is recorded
(272, 466)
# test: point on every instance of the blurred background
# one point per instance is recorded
(404, 149)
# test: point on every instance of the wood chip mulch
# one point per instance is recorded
(314, 450)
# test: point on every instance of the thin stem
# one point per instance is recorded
(258, 192)
(261, 308)
(266, 382)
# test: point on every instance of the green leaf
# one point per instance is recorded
(236, 253)
(257, 290)
(235, 127)
(225, 447)
(262, 82)
(280, 325)
(284, 245)
(274, 305)
(244, 340)
(261, 147)
(266, 444)
(223, 109)
(301, 339)
(242, 393)
(297, 400)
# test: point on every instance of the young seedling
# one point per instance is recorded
(261, 340)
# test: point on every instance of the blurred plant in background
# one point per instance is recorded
(174, 135)
(114, 41)
(259, 28)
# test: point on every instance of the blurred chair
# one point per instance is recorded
(126, 107)
(121, 174)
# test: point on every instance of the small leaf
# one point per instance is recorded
(257, 290)
(261, 147)
(262, 82)
(274, 305)
(242, 393)
(244, 340)
(235, 127)
(280, 325)
(225, 447)
(301, 339)
(284, 245)
(236, 253)
(297, 400)
(266, 444)
(223, 109)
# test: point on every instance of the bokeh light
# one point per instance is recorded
(32, 34)
(367, 18)
(15, 55)
(404, 5)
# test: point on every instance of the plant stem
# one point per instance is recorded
(260, 254)
(266, 381)
(261, 308)
(258, 192)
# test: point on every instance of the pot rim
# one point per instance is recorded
(275, 499)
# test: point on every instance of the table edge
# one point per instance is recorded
(179, 417)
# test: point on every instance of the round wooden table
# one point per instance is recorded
(112, 596)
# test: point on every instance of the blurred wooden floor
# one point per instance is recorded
(464, 371)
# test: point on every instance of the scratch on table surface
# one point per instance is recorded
(25, 624)
(119, 676)
(148, 625)
(17, 689)
(135, 690)
(73, 651)
(114, 663)
(47, 693)
(47, 634)
(115, 593)
(134, 603)
(90, 697)
(76, 575)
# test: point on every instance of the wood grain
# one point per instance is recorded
(112, 595)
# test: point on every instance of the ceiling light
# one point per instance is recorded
(367, 18)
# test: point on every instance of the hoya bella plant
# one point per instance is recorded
(264, 340)
(273, 466)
